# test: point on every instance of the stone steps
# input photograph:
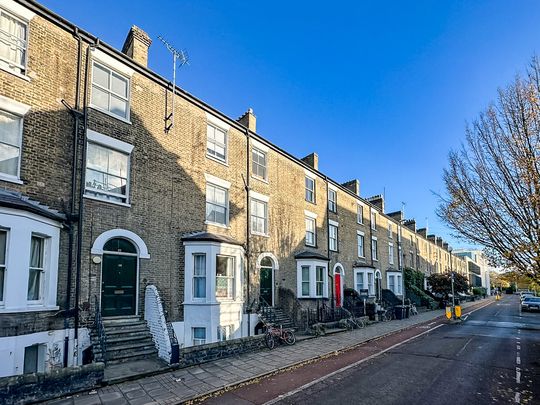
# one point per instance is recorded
(127, 339)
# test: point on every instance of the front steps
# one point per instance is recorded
(127, 339)
(276, 316)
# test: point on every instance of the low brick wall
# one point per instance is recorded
(190, 356)
(27, 388)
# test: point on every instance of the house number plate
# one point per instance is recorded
(118, 291)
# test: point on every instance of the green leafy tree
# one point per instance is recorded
(442, 283)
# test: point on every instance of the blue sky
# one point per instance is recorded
(380, 90)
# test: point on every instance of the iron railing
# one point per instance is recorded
(100, 330)
(266, 311)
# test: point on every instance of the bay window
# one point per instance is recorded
(36, 270)
(199, 275)
(225, 277)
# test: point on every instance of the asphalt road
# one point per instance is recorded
(492, 357)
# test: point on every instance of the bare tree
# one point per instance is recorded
(493, 182)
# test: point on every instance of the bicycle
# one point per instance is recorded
(352, 323)
(388, 315)
(413, 310)
(274, 334)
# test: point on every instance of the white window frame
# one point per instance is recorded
(118, 146)
(390, 253)
(365, 272)
(333, 239)
(230, 278)
(256, 150)
(40, 358)
(361, 237)
(308, 190)
(332, 200)
(390, 232)
(3, 267)
(373, 220)
(319, 281)
(225, 145)
(257, 198)
(199, 276)
(22, 15)
(224, 332)
(199, 341)
(225, 205)
(359, 214)
(397, 282)
(311, 265)
(41, 269)
(374, 248)
(313, 221)
(21, 226)
(18, 110)
(110, 92)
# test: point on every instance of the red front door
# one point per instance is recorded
(338, 289)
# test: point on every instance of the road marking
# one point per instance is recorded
(518, 360)
(518, 347)
(517, 398)
(305, 386)
(431, 323)
(463, 348)
(518, 375)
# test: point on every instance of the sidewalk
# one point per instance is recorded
(189, 383)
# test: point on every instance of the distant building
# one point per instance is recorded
(478, 267)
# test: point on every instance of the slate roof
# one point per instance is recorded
(307, 254)
(210, 237)
(14, 199)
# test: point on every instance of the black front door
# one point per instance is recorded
(119, 285)
(266, 285)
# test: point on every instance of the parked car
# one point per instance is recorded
(530, 303)
(526, 295)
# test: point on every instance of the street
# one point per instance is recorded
(492, 357)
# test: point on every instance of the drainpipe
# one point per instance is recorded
(328, 240)
(71, 217)
(248, 229)
(81, 191)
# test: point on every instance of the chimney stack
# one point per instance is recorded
(136, 45)
(249, 120)
(353, 185)
(377, 201)
(312, 160)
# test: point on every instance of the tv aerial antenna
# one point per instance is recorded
(181, 57)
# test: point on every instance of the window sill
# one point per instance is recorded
(215, 159)
(311, 246)
(265, 181)
(7, 69)
(311, 202)
(30, 308)
(110, 114)
(10, 179)
(224, 226)
(263, 235)
(121, 204)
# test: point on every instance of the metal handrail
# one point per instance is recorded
(100, 330)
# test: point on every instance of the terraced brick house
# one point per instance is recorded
(177, 233)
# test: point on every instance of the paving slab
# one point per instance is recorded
(177, 386)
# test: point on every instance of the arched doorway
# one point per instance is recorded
(119, 278)
(378, 285)
(266, 284)
(338, 284)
